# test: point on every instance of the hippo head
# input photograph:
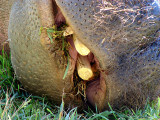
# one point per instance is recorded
(123, 38)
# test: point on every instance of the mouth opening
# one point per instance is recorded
(93, 88)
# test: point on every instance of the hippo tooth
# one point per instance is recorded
(68, 31)
(80, 47)
(84, 68)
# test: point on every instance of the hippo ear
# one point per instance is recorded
(40, 70)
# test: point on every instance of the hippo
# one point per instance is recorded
(123, 39)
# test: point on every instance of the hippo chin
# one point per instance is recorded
(123, 38)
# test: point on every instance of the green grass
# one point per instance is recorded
(17, 104)
(55, 34)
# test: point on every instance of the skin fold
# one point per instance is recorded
(123, 35)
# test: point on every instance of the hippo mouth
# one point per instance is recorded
(84, 65)
(109, 46)
(111, 52)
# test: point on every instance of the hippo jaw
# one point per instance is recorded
(127, 52)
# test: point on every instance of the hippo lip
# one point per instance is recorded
(96, 87)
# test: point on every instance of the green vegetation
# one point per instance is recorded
(55, 34)
(17, 104)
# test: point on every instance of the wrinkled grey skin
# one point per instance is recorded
(123, 35)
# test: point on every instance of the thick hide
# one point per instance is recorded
(122, 35)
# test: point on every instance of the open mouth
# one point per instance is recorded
(84, 64)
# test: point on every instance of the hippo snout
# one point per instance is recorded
(111, 55)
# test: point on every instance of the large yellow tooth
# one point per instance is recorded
(84, 68)
(68, 31)
(80, 47)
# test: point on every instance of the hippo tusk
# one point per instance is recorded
(84, 68)
(80, 47)
(68, 31)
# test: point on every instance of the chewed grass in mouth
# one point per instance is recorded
(86, 66)
(80, 64)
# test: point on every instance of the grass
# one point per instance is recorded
(56, 34)
(17, 104)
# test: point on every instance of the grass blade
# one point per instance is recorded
(66, 69)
